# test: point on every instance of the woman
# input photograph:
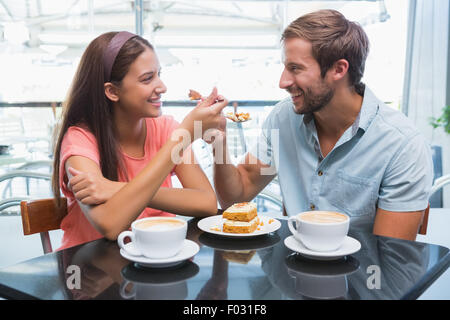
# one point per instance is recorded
(119, 151)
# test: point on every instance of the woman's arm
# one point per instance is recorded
(196, 198)
(115, 215)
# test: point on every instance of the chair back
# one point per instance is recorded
(438, 184)
(236, 139)
(437, 198)
(41, 216)
(424, 225)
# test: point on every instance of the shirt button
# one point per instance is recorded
(312, 207)
(320, 173)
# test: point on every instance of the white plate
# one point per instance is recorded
(190, 249)
(207, 224)
(349, 246)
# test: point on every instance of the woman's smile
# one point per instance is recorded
(157, 103)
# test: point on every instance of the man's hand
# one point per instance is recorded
(92, 188)
(217, 139)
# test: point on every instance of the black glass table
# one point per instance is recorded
(257, 268)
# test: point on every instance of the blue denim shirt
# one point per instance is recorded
(382, 161)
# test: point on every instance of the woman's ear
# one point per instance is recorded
(111, 92)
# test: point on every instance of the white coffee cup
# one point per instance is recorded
(320, 230)
(155, 237)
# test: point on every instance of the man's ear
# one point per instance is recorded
(111, 92)
(340, 69)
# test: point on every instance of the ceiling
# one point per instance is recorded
(45, 39)
(75, 22)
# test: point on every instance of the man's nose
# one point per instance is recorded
(286, 80)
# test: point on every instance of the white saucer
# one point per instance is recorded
(190, 249)
(349, 246)
(214, 225)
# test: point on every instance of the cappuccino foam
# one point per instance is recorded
(323, 217)
(159, 225)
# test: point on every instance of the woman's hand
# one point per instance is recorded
(207, 115)
(92, 188)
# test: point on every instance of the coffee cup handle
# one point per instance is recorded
(291, 221)
(123, 292)
(120, 241)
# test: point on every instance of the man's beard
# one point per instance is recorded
(313, 102)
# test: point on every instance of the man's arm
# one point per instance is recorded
(242, 183)
(404, 192)
(402, 225)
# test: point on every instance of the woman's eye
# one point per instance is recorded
(149, 77)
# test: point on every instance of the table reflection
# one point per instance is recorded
(320, 279)
(239, 251)
(157, 284)
(99, 264)
(239, 244)
(384, 268)
(256, 268)
(216, 288)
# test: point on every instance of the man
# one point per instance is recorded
(334, 145)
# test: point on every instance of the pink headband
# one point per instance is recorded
(112, 50)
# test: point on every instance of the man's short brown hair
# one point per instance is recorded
(333, 37)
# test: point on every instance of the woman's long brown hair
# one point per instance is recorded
(87, 105)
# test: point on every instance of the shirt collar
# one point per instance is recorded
(307, 118)
(369, 109)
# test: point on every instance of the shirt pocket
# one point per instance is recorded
(354, 195)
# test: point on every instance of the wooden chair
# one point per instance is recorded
(424, 225)
(41, 216)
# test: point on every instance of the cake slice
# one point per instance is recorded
(240, 218)
(194, 95)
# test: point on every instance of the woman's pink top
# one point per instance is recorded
(80, 142)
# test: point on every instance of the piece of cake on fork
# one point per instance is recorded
(240, 218)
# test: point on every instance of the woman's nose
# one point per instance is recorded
(161, 88)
